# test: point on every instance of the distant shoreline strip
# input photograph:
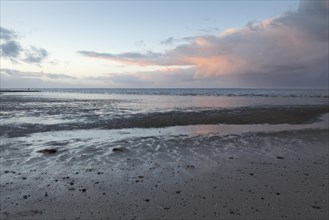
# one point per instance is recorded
(20, 90)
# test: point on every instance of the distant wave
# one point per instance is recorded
(312, 93)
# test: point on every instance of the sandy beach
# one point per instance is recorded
(258, 163)
(283, 180)
(164, 110)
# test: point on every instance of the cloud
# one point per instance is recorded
(130, 57)
(311, 18)
(12, 78)
(165, 77)
(58, 76)
(168, 41)
(209, 30)
(11, 49)
(140, 43)
(7, 35)
(35, 55)
(294, 45)
(40, 75)
(171, 40)
(118, 80)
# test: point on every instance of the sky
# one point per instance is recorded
(164, 44)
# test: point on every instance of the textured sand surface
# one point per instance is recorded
(105, 156)
(281, 175)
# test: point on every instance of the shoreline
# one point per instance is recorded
(18, 90)
(114, 157)
(293, 115)
(256, 175)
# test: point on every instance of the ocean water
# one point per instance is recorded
(80, 118)
(204, 92)
(89, 118)
(72, 109)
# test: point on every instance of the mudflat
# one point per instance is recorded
(72, 158)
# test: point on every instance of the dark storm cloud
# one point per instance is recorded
(311, 18)
(291, 67)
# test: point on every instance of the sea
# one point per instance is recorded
(98, 116)
(119, 114)
(109, 109)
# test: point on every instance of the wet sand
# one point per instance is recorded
(264, 175)
(105, 156)
(241, 116)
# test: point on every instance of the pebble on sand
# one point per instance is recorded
(119, 149)
(48, 151)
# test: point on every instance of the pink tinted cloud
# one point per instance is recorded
(293, 42)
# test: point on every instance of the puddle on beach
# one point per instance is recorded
(113, 135)
(90, 146)
(32, 120)
(81, 166)
(191, 130)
